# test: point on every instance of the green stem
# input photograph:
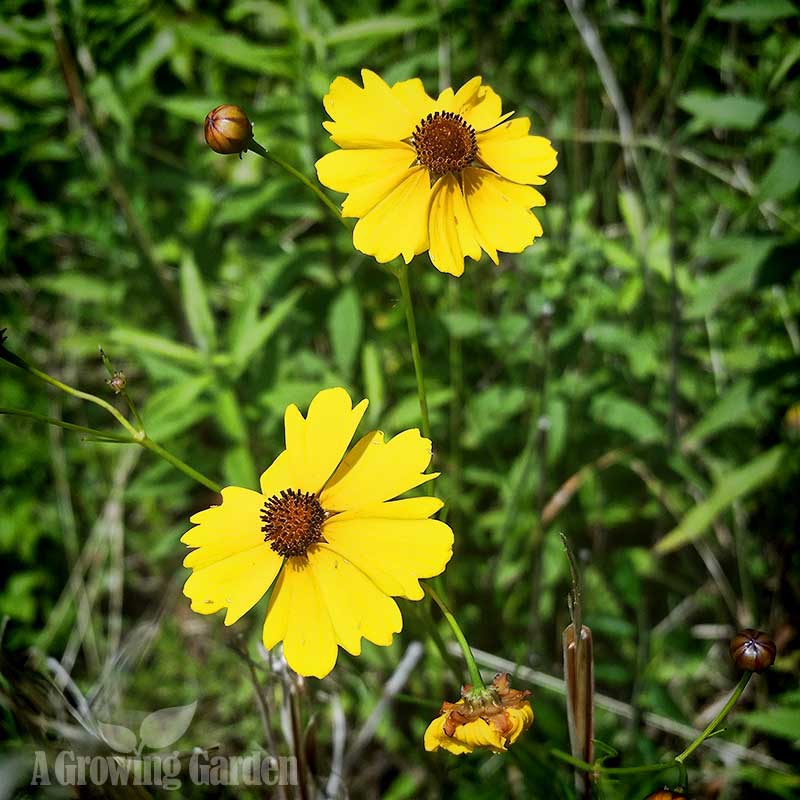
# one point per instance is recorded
(712, 726)
(405, 290)
(156, 448)
(14, 359)
(472, 667)
(114, 437)
(295, 173)
(137, 436)
(587, 767)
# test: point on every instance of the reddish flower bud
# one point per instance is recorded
(666, 794)
(228, 130)
(753, 650)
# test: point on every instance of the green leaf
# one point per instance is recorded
(734, 485)
(732, 111)
(230, 48)
(82, 288)
(385, 26)
(250, 341)
(749, 253)
(625, 415)
(775, 721)
(195, 305)
(238, 467)
(374, 383)
(735, 407)
(172, 410)
(755, 11)
(632, 212)
(153, 343)
(345, 328)
(783, 176)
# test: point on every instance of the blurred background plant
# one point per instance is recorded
(628, 380)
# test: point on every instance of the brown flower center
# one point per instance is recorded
(292, 522)
(444, 142)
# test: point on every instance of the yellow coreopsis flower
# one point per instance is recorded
(449, 175)
(483, 719)
(325, 525)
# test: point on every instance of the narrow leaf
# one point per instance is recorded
(734, 485)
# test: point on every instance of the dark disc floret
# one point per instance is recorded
(293, 522)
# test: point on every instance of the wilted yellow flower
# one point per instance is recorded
(488, 719)
(447, 175)
(322, 525)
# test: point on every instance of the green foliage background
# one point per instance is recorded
(566, 393)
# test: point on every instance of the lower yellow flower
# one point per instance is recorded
(323, 525)
(487, 719)
(449, 174)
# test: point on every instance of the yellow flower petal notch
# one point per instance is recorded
(450, 175)
(326, 529)
(484, 719)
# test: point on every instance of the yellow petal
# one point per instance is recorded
(484, 109)
(451, 231)
(362, 199)
(316, 444)
(279, 609)
(235, 524)
(509, 151)
(436, 738)
(500, 212)
(368, 117)
(236, 581)
(346, 170)
(302, 620)
(357, 608)
(393, 553)
(465, 96)
(446, 100)
(480, 733)
(374, 471)
(399, 223)
(521, 719)
(409, 508)
(413, 96)
(277, 477)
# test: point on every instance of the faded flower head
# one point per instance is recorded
(451, 175)
(228, 130)
(489, 719)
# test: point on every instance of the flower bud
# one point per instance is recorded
(117, 382)
(666, 794)
(753, 650)
(228, 130)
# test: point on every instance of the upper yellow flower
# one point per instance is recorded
(488, 719)
(446, 175)
(322, 525)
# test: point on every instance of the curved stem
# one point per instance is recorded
(586, 766)
(408, 305)
(156, 448)
(14, 359)
(712, 726)
(112, 437)
(297, 175)
(137, 436)
(472, 667)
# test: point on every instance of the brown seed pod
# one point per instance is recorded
(228, 130)
(752, 650)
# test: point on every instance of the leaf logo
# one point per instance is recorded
(157, 730)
